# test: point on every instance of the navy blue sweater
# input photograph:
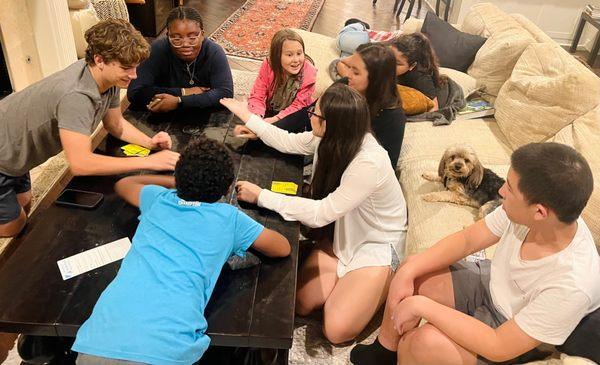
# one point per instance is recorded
(164, 73)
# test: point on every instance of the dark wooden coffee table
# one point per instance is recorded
(251, 307)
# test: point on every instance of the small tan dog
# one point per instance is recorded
(467, 181)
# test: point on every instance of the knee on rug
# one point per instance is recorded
(338, 329)
(422, 345)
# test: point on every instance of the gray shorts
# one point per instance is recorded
(85, 359)
(471, 281)
(10, 186)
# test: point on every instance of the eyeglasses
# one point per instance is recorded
(178, 42)
(311, 112)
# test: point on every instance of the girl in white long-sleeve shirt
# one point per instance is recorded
(357, 208)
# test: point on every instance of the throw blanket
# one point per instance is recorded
(451, 99)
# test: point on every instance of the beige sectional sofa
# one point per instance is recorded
(541, 93)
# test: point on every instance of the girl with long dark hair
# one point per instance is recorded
(417, 65)
(356, 207)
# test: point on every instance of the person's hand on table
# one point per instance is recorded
(237, 107)
(244, 132)
(162, 103)
(247, 191)
(194, 90)
(161, 140)
(164, 160)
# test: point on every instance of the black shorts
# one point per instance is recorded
(10, 186)
(471, 282)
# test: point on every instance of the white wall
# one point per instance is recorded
(53, 34)
(557, 18)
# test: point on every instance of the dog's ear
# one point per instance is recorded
(476, 175)
(442, 166)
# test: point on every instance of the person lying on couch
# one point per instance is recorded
(542, 280)
(184, 68)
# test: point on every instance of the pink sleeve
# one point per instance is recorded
(257, 102)
(304, 95)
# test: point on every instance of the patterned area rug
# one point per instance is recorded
(248, 31)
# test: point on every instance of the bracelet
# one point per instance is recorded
(179, 100)
(182, 91)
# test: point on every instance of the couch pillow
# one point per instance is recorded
(78, 4)
(495, 60)
(413, 101)
(548, 90)
(454, 49)
(585, 338)
(584, 135)
(467, 83)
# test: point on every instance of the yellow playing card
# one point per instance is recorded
(284, 187)
(135, 150)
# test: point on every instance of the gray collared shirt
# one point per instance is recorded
(30, 119)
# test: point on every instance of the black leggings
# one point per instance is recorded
(297, 122)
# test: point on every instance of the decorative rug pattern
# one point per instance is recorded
(248, 31)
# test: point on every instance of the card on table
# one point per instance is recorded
(135, 150)
(284, 187)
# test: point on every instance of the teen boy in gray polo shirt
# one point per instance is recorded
(63, 110)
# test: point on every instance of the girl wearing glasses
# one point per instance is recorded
(184, 70)
(356, 210)
(285, 82)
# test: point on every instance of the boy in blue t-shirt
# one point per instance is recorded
(153, 311)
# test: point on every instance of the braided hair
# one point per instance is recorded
(184, 13)
(417, 49)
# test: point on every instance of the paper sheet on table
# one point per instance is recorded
(93, 258)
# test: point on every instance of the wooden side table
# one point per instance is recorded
(585, 17)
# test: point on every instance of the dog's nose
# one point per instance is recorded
(457, 167)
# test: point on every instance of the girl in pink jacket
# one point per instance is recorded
(285, 82)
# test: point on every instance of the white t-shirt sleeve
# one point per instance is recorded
(553, 314)
(497, 221)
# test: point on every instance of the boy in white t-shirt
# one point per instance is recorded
(542, 280)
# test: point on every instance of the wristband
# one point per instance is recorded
(182, 91)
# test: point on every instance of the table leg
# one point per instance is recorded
(595, 50)
(447, 10)
(282, 357)
(577, 35)
(437, 7)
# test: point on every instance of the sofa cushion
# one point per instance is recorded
(465, 81)
(322, 50)
(495, 60)
(422, 149)
(584, 135)
(78, 4)
(548, 90)
(82, 20)
(454, 49)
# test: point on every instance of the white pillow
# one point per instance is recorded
(466, 82)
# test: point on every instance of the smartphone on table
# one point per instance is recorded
(79, 198)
